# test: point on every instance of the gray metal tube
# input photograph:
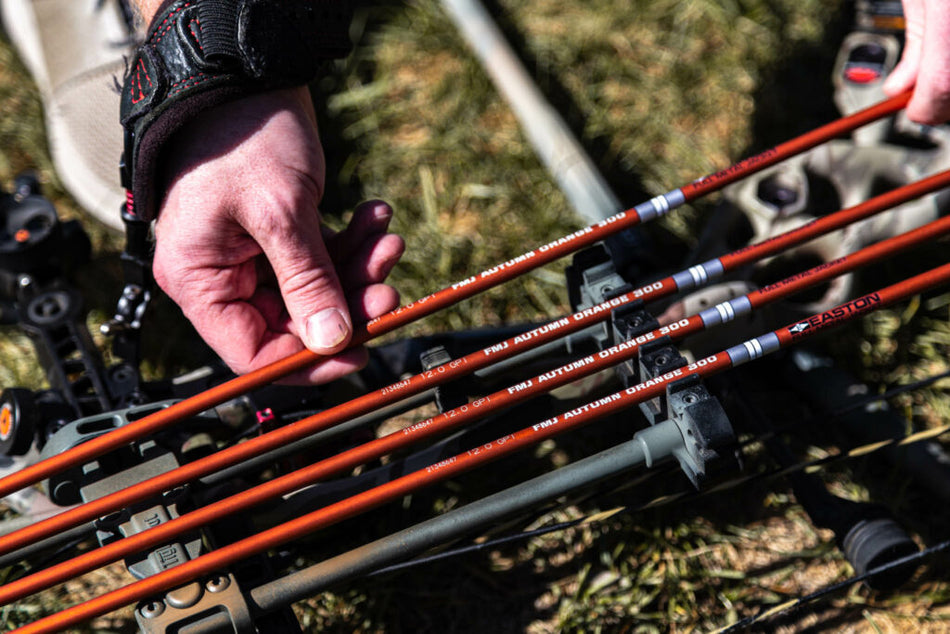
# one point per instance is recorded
(647, 447)
(318, 438)
(62, 537)
(544, 351)
(565, 159)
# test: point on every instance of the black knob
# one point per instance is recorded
(18, 421)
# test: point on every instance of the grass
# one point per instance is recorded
(660, 92)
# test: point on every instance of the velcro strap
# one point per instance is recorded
(201, 53)
(221, 33)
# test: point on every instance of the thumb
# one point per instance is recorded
(309, 286)
(905, 73)
(931, 102)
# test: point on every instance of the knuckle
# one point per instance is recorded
(280, 213)
(308, 284)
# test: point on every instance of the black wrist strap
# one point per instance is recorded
(202, 53)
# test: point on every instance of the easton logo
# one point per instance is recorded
(838, 314)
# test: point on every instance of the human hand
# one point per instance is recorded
(240, 247)
(925, 64)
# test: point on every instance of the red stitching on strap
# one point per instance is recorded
(136, 82)
(183, 84)
(196, 34)
(157, 36)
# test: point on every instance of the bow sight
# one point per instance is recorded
(36, 247)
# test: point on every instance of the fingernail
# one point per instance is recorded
(382, 211)
(327, 329)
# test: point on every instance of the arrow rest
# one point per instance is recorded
(593, 279)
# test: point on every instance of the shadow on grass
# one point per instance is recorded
(797, 95)
(343, 195)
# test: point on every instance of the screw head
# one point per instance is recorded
(151, 609)
(175, 494)
(218, 584)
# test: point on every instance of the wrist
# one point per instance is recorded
(146, 9)
(238, 139)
